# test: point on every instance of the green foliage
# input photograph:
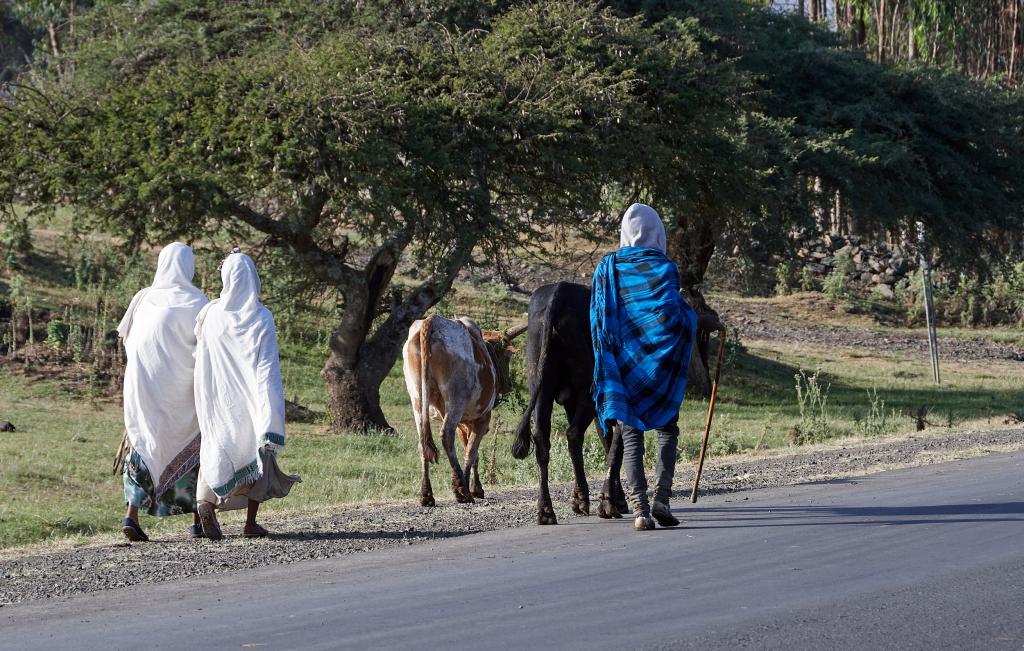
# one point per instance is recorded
(815, 423)
(808, 282)
(722, 445)
(878, 421)
(835, 286)
(843, 263)
(57, 333)
(15, 239)
(787, 277)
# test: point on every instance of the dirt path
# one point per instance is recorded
(110, 563)
(765, 321)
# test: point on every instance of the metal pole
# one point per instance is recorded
(929, 304)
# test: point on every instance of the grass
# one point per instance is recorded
(55, 481)
(55, 470)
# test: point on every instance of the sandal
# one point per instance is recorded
(133, 532)
(255, 532)
(209, 519)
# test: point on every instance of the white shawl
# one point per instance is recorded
(238, 380)
(159, 406)
(642, 228)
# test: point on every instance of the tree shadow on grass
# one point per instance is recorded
(754, 381)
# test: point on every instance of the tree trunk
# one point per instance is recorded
(358, 362)
(860, 30)
(880, 18)
(353, 392)
(353, 380)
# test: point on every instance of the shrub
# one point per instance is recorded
(835, 286)
(843, 263)
(878, 421)
(812, 400)
(786, 278)
(808, 282)
(722, 445)
(57, 333)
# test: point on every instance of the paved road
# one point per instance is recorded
(914, 559)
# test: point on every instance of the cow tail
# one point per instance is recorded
(521, 446)
(426, 437)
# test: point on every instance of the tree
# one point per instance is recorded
(810, 119)
(420, 139)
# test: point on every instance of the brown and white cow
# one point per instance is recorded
(456, 373)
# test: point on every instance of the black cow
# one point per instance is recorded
(560, 366)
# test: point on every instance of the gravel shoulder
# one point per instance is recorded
(44, 572)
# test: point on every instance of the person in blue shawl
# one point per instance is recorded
(643, 333)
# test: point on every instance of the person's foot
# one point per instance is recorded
(133, 532)
(196, 531)
(255, 531)
(208, 518)
(643, 523)
(663, 514)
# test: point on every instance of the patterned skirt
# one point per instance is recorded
(138, 490)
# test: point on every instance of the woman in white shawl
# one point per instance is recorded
(240, 401)
(159, 406)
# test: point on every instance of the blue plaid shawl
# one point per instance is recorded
(643, 333)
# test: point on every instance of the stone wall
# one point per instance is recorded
(877, 266)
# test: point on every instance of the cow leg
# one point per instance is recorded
(451, 423)
(579, 417)
(476, 434)
(542, 439)
(613, 498)
(426, 492)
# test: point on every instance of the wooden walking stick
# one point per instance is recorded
(711, 412)
(122, 454)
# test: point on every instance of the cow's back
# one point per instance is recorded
(456, 363)
(559, 335)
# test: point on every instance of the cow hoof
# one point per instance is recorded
(546, 516)
(478, 493)
(622, 507)
(427, 500)
(580, 508)
(463, 497)
(607, 510)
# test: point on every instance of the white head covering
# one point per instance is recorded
(159, 405)
(172, 285)
(240, 293)
(642, 228)
(174, 267)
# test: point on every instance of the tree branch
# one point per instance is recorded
(326, 265)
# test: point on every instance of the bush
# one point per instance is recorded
(786, 278)
(722, 445)
(878, 421)
(815, 419)
(835, 286)
(57, 333)
(808, 282)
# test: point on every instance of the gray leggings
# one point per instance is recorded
(633, 465)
